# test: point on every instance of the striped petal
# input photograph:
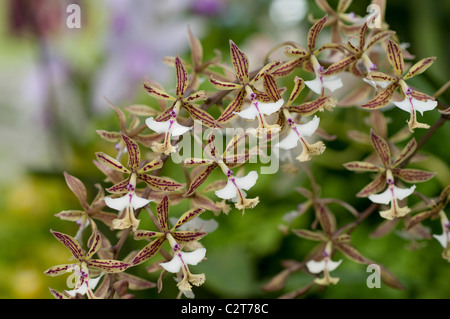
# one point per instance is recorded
(395, 57)
(109, 265)
(189, 215)
(157, 93)
(188, 236)
(232, 108)
(240, 62)
(134, 155)
(182, 78)
(70, 244)
(111, 162)
(419, 67)
(148, 251)
(59, 270)
(162, 212)
(314, 32)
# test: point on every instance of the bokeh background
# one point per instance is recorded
(53, 81)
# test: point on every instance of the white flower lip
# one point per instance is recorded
(331, 83)
(381, 84)
(251, 112)
(386, 197)
(164, 127)
(421, 106)
(442, 239)
(191, 258)
(316, 267)
(304, 130)
(230, 190)
(122, 202)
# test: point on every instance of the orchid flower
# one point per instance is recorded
(83, 289)
(258, 110)
(229, 159)
(137, 169)
(391, 195)
(171, 128)
(174, 236)
(325, 265)
(411, 105)
(357, 61)
(126, 205)
(321, 82)
(297, 133)
(166, 122)
(181, 260)
(414, 100)
(244, 84)
(391, 164)
(234, 190)
(181, 236)
(130, 201)
(83, 283)
(444, 238)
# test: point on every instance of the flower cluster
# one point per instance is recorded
(254, 101)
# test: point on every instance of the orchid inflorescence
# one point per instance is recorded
(255, 102)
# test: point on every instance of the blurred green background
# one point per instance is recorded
(53, 81)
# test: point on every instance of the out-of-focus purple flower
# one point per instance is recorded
(209, 7)
(141, 34)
